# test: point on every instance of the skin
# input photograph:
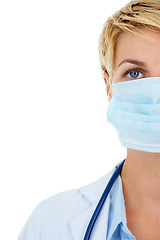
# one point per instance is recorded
(141, 171)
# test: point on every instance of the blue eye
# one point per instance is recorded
(134, 74)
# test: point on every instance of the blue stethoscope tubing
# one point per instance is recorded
(102, 200)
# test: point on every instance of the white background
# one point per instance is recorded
(54, 134)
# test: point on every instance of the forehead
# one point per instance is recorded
(145, 47)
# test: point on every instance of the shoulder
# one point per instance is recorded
(66, 205)
(52, 216)
(64, 202)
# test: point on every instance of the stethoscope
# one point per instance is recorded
(102, 200)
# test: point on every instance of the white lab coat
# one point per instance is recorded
(65, 216)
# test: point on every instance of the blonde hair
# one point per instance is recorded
(130, 18)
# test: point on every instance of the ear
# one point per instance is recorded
(105, 76)
(108, 86)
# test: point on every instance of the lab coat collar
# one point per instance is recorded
(93, 192)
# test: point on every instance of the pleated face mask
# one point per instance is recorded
(134, 110)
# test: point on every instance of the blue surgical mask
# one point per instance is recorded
(134, 110)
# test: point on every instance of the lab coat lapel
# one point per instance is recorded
(93, 192)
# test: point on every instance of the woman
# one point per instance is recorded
(129, 49)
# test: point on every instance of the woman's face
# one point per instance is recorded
(136, 57)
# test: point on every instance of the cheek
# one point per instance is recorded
(116, 77)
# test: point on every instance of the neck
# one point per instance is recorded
(141, 180)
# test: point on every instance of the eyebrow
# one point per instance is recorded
(136, 62)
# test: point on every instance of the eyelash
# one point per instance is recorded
(132, 70)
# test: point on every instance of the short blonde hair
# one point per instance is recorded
(131, 17)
